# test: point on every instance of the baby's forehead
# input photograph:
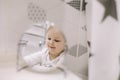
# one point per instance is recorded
(55, 32)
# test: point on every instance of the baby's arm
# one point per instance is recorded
(33, 58)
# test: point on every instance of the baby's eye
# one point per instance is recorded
(49, 38)
(57, 40)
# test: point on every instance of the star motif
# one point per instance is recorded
(82, 50)
(90, 55)
(119, 77)
(84, 5)
(62, 0)
(89, 44)
(110, 8)
(75, 4)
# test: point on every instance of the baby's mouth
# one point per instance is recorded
(52, 47)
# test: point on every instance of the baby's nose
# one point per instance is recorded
(51, 42)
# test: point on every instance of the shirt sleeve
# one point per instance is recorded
(33, 59)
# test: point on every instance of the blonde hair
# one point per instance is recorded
(53, 27)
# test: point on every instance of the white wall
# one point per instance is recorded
(14, 22)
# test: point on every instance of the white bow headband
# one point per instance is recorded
(48, 24)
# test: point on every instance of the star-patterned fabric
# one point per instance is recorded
(105, 40)
(110, 9)
(75, 4)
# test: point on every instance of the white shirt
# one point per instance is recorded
(42, 60)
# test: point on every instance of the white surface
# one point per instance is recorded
(8, 71)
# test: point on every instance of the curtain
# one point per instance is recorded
(104, 40)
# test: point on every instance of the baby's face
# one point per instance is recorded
(55, 42)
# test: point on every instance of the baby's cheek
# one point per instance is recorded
(61, 47)
(47, 42)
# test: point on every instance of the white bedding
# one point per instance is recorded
(8, 71)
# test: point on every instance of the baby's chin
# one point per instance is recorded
(52, 52)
